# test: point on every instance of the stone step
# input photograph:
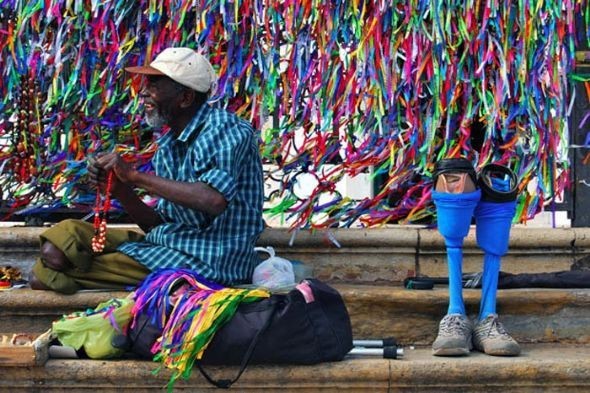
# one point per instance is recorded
(540, 368)
(375, 256)
(411, 316)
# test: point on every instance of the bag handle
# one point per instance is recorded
(226, 383)
(269, 250)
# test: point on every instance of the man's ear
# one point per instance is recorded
(188, 97)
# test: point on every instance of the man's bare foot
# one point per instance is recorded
(34, 283)
(53, 257)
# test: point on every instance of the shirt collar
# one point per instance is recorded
(193, 127)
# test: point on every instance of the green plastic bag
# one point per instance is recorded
(95, 329)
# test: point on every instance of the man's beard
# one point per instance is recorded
(155, 119)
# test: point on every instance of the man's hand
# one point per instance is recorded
(122, 187)
(99, 166)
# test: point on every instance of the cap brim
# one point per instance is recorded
(145, 70)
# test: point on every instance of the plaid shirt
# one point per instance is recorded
(219, 149)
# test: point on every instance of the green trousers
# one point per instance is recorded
(109, 269)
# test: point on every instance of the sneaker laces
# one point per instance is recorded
(452, 325)
(495, 329)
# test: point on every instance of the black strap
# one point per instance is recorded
(226, 383)
(418, 283)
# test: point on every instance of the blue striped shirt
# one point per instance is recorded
(221, 150)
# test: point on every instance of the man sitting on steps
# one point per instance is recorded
(208, 175)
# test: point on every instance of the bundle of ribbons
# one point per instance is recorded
(189, 310)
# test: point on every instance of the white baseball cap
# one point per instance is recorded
(184, 65)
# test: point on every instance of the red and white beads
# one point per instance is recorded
(100, 216)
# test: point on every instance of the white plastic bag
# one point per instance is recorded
(274, 272)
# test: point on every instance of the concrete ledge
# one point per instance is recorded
(391, 236)
(374, 256)
(540, 368)
(412, 316)
(28, 311)
(530, 315)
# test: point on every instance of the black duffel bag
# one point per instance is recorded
(308, 325)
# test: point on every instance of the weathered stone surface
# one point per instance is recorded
(374, 256)
(344, 257)
(125, 375)
(25, 310)
(395, 236)
(434, 263)
(581, 238)
(540, 368)
(412, 316)
(520, 237)
(356, 265)
(531, 250)
(531, 315)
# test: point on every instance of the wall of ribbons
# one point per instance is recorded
(337, 89)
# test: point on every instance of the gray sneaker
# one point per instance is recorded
(454, 336)
(490, 337)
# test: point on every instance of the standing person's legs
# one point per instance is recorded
(68, 264)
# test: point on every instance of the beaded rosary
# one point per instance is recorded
(100, 216)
